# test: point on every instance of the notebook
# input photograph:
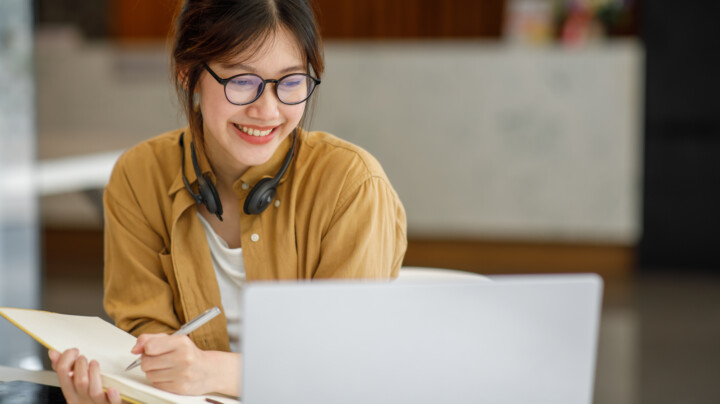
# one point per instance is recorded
(99, 340)
(517, 339)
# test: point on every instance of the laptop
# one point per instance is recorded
(516, 339)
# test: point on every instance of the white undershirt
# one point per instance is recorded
(230, 274)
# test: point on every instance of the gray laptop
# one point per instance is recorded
(517, 339)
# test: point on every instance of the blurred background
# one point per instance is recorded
(523, 136)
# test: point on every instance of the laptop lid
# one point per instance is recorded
(518, 339)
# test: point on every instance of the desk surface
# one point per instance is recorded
(8, 374)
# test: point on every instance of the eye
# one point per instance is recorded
(292, 82)
(244, 81)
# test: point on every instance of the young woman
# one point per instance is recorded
(242, 193)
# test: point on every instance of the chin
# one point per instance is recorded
(254, 160)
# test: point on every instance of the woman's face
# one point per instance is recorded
(240, 136)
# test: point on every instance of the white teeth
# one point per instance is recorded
(254, 132)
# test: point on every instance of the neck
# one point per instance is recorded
(222, 165)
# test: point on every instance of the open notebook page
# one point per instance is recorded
(102, 341)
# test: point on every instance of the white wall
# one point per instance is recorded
(492, 141)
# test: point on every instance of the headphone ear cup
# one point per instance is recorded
(210, 196)
(260, 197)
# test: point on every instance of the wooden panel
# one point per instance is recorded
(141, 19)
(152, 20)
(615, 263)
(79, 252)
(410, 18)
(498, 257)
(72, 253)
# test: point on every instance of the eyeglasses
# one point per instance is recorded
(243, 89)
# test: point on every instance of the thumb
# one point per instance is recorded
(54, 355)
(141, 341)
(139, 346)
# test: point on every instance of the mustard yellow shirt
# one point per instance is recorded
(335, 216)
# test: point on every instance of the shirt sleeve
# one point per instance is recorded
(367, 234)
(138, 295)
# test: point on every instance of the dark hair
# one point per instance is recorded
(219, 30)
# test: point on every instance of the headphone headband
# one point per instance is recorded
(257, 200)
(263, 193)
(207, 193)
(196, 197)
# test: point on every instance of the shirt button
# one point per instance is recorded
(254, 237)
(277, 203)
(245, 186)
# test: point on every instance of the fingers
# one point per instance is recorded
(92, 390)
(81, 378)
(81, 381)
(162, 375)
(156, 344)
(113, 396)
(54, 356)
(63, 365)
(179, 368)
(95, 389)
(139, 346)
(168, 351)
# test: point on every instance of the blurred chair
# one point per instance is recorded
(423, 274)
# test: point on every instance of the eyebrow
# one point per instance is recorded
(232, 66)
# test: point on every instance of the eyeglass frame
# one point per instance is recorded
(264, 82)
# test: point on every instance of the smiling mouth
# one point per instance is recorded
(254, 132)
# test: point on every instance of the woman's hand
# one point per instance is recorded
(174, 363)
(79, 380)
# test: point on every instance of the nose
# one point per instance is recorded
(266, 107)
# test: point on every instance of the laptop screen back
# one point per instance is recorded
(514, 340)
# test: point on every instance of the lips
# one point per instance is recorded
(257, 135)
(253, 131)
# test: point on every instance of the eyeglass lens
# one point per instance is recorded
(292, 89)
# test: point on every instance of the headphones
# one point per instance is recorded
(259, 198)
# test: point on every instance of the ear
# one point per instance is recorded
(182, 78)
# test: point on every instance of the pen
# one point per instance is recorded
(187, 328)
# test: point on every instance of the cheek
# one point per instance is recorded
(212, 99)
(294, 113)
(214, 107)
